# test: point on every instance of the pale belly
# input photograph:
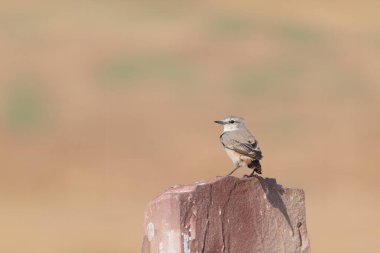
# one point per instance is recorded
(237, 158)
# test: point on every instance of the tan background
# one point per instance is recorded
(104, 104)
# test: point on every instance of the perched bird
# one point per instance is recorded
(240, 145)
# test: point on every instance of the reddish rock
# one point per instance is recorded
(227, 214)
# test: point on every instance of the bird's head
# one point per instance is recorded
(231, 123)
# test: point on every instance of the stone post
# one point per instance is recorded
(227, 214)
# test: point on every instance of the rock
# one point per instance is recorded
(227, 214)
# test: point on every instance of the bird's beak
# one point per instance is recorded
(219, 122)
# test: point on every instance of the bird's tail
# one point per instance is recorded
(256, 166)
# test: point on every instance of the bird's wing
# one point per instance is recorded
(242, 142)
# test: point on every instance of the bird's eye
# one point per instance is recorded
(232, 121)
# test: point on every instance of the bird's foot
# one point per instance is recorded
(250, 175)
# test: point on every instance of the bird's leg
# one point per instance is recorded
(236, 167)
(250, 175)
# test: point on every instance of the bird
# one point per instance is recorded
(240, 145)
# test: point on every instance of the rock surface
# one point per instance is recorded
(227, 214)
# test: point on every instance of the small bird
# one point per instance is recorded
(240, 145)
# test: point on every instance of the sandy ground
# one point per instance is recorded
(106, 104)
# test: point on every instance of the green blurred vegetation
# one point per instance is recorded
(26, 106)
(127, 71)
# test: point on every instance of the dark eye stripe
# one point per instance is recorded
(232, 121)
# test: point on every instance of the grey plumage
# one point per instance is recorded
(243, 142)
(240, 145)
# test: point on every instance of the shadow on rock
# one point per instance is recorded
(273, 192)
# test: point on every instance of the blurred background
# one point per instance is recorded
(104, 104)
